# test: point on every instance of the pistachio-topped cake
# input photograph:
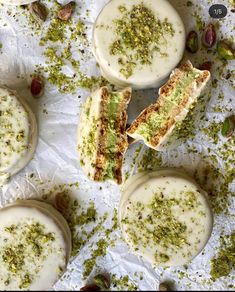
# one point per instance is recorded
(137, 43)
(18, 134)
(102, 140)
(155, 124)
(35, 245)
(165, 217)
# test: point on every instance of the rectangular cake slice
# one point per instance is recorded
(155, 124)
(102, 140)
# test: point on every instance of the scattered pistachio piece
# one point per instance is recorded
(39, 10)
(228, 127)
(209, 36)
(225, 51)
(192, 42)
(206, 66)
(102, 281)
(66, 11)
(37, 86)
(91, 287)
(163, 287)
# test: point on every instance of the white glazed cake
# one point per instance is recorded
(155, 124)
(35, 246)
(102, 139)
(165, 217)
(18, 134)
(137, 43)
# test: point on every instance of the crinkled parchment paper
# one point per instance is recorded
(56, 162)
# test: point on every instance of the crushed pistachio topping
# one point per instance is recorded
(157, 224)
(14, 127)
(140, 36)
(224, 261)
(29, 242)
(84, 222)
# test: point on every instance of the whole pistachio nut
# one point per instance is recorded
(232, 2)
(37, 86)
(192, 42)
(102, 281)
(209, 36)
(39, 10)
(163, 287)
(206, 66)
(228, 127)
(225, 51)
(66, 11)
(91, 287)
(61, 202)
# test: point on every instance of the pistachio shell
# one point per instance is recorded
(163, 287)
(39, 10)
(66, 11)
(61, 202)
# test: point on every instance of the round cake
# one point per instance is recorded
(165, 217)
(138, 43)
(35, 246)
(18, 134)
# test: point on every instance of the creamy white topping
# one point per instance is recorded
(167, 55)
(88, 132)
(34, 246)
(18, 134)
(165, 217)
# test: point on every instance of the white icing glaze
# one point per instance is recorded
(18, 134)
(144, 76)
(171, 184)
(86, 125)
(45, 269)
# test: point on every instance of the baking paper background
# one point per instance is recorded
(56, 161)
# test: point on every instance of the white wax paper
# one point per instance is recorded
(56, 161)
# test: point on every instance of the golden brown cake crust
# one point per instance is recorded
(122, 143)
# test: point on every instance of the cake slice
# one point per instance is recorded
(155, 124)
(102, 140)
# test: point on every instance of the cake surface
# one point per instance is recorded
(102, 140)
(18, 134)
(165, 217)
(155, 124)
(35, 244)
(139, 43)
